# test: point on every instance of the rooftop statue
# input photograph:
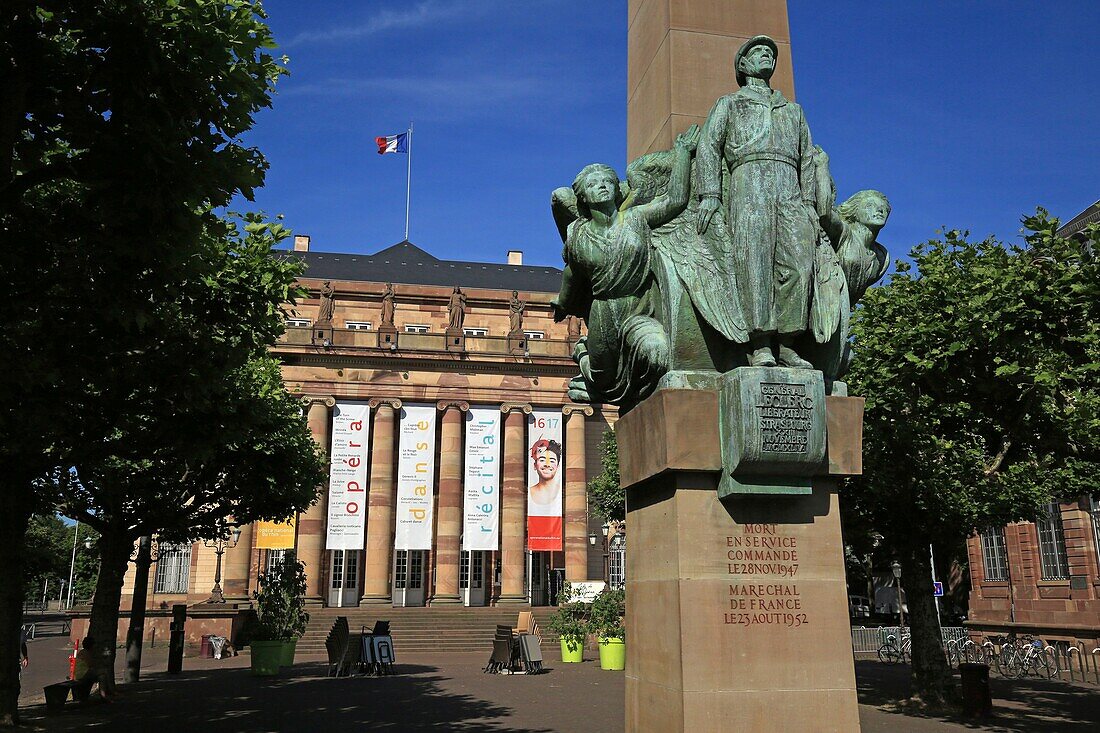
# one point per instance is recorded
(726, 251)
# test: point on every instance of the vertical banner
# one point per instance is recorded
(347, 477)
(481, 482)
(544, 480)
(415, 478)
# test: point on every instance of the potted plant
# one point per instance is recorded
(569, 622)
(606, 622)
(280, 615)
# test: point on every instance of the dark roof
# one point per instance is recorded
(1078, 223)
(406, 263)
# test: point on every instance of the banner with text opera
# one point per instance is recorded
(544, 470)
(347, 482)
(415, 478)
(481, 483)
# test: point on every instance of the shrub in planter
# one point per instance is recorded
(606, 622)
(570, 623)
(281, 616)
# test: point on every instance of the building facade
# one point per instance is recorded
(439, 426)
(1041, 577)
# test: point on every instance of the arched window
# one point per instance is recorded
(616, 561)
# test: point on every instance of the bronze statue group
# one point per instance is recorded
(726, 251)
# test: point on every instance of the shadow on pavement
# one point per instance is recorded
(232, 700)
(1030, 704)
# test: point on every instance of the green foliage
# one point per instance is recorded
(280, 601)
(980, 370)
(50, 555)
(570, 621)
(605, 496)
(979, 366)
(608, 612)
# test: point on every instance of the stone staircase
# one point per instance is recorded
(439, 629)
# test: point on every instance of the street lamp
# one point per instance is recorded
(72, 565)
(896, 568)
(221, 542)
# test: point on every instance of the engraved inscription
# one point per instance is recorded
(761, 550)
(785, 412)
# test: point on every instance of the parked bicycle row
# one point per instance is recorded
(1024, 655)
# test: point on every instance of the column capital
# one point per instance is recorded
(583, 409)
(375, 402)
(310, 400)
(462, 405)
(507, 407)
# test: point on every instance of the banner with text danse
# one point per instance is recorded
(347, 482)
(544, 472)
(481, 482)
(415, 478)
(275, 535)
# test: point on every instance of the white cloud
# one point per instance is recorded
(422, 14)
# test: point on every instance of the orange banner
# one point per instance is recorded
(275, 535)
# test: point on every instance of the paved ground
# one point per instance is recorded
(450, 693)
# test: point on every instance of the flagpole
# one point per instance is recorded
(408, 181)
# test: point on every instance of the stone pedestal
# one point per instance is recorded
(737, 609)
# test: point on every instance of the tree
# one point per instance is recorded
(187, 455)
(49, 543)
(979, 364)
(119, 140)
(605, 495)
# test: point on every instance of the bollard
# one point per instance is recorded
(72, 660)
(977, 701)
(176, 639)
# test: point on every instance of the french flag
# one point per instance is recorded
(393, 143)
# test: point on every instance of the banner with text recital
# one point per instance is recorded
(347, 477)
(481, 482)
(544, 471)
(415, 478)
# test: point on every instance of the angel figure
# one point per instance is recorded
(608, 279)
(847, 263)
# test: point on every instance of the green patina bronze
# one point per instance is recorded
(727, 251)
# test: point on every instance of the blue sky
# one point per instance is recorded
(966, 114)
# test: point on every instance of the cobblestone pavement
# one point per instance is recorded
(450, 693)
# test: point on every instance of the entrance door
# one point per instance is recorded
(472, 578)
(408, 577)
(557, 583)
(343, 586)
(538, 577)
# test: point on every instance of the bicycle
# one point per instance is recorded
(1033, 658)
(891, 653)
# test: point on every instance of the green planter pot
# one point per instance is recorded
(572, 651)
(289, 645)
(266, 657)
(612, 654)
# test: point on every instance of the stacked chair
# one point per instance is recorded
(341, 653)
(376, 655)
(513, 646)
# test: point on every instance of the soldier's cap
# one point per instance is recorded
(752, 42)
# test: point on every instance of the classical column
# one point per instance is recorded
(513, 512)
(311, 522)
(576, 501)
(449, 512)
(380, 526)
(235, 570)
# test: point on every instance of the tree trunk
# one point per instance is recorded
(115, 547)
(15, 514)
(933, 682)
(136, 632)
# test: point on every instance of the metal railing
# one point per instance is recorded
(867, 641)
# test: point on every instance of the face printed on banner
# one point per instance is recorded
(546, 458)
